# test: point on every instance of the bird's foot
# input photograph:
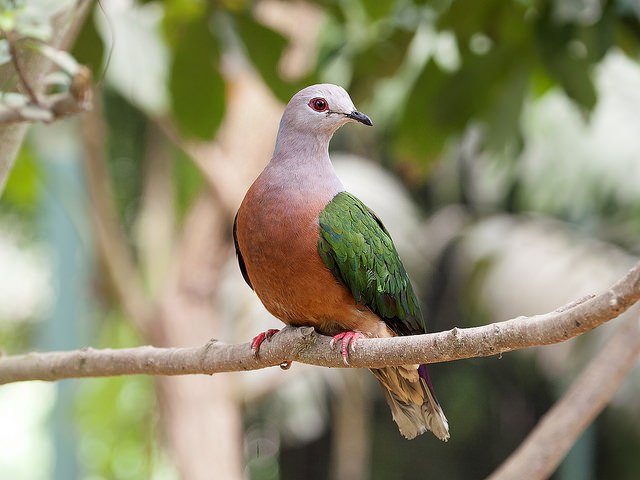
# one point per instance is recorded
(261, 337)
(348, 342)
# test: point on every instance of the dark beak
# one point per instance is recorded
(360, 117)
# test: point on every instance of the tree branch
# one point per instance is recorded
(17, 65)
(306, 346)
(48, 108)
(34, 67)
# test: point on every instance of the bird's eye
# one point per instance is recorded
(319, 104)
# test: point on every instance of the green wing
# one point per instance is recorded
(357, 248)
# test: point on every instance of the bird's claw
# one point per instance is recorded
(261, 337)
(348, 342)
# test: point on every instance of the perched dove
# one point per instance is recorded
(317, 256)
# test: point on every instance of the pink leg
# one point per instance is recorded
(261, 337)
(348, 340)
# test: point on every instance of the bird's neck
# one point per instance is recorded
(301, 161)
(301, 143)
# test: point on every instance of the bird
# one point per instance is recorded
(317, 256)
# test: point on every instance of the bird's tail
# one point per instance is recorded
(413, 402)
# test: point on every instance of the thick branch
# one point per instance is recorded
(304, 345)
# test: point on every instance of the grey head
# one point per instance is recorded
(320, 110)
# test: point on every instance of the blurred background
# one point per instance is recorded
(503, 160)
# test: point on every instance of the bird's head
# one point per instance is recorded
(321, 108)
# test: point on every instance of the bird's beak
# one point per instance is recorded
(360, 117)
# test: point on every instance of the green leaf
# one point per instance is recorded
(196, 87)
(488, 86)
(599, 37)
(422, 131)
(379, 8)
(7, 18)
(379, 60)
(188, 181)
(627, 39)
(89, 49)
(264, 48)
(503, 113)
(541, 82)
(499, 20)
(126, 149)
(23, 186)
(177, 14)
(572, 69)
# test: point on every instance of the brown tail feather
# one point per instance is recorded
(413, 403)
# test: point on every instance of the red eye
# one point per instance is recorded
(319, 104)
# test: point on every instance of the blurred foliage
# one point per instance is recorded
(188, 181)
(26, 30)
(126, 153)
(476, 63)
(501, 52)
(114, 416)
(494, 419)
(15, 338)
(497, 54)
(264, 47)
(21, 192)
(195, 85)
(430, 71)
(29, 18)
(508, 50)
(619, 444)
(89, 49)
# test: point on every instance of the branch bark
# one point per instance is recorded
(306, 346)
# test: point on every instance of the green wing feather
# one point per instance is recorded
(356, 247)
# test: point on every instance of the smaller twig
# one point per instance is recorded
(15, 60)
(80, 87)
(49, 109)
(76, 99)
(46, 108)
